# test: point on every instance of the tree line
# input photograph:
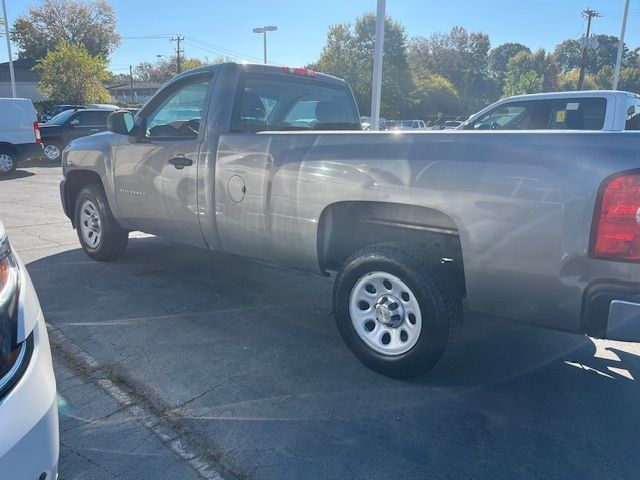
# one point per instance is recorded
(454, 73)
(458, 73)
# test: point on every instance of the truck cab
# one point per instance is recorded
(604, 110)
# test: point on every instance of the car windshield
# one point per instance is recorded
(61, 118)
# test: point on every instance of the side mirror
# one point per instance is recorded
(75, 122)
(121, 122)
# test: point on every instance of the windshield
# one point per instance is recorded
(61, 118)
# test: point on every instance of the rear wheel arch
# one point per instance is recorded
(346, 227)
(8, 147)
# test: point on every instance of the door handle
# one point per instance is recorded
(181, 162)
(94, 130)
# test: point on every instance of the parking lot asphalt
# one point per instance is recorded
(241, 360)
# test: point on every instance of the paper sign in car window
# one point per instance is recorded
(561, 116)
(573, 106)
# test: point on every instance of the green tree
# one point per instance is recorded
(629, 78)
(568, 81)
(527, 82)
(530, 73)
(433, 94)
(70, 74)
(91, 24)
(568, 54)
(460, 57)
(499, 59)
(348, 54)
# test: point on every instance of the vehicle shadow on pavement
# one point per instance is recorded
(247, 358)
(16, 174)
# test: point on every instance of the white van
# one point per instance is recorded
(19, 133)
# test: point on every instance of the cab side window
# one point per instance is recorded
(180, 112)
(633, 116)
(574, 114)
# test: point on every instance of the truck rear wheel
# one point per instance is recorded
(100, 235)
(397, 312)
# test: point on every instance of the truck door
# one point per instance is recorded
(156, 171)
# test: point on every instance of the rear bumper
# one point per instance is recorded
(612, 311)
(27, 151)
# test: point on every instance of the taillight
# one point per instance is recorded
(36, 131)
(299, 71)
(617, 223)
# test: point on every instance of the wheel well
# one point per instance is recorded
(7, 147)
(75, 181)
(346, 227)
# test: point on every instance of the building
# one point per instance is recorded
(139, 94)
(26, 79)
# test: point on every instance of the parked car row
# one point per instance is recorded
(46, 117)
(69, 125)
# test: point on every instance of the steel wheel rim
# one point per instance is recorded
(52, 152)
(6, 162)
(387, 336)
(90, 224)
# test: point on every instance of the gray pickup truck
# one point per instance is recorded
(261, 161)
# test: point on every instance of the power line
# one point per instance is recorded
(226, 51)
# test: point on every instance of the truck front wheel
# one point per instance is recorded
(397, 312)
(100, 235)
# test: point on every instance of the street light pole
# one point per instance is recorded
(616, 73)
(6, 33)
(376, 84)
(264, 30)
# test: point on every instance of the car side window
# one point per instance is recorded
(91, 119)
(180, 112)
(510, 116)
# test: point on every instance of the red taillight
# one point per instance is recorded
(36, 131)
(300, 71)
(617, 225)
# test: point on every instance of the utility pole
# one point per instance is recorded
(6, 32)
(616, 73)
(179, 51)
(376, 84)
(131, 78)
(589, 15)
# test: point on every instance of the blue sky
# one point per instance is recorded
(214, 27)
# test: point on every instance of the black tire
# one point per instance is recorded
(113, 239)
(11, 157)
(59, 149)
(439, 301)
